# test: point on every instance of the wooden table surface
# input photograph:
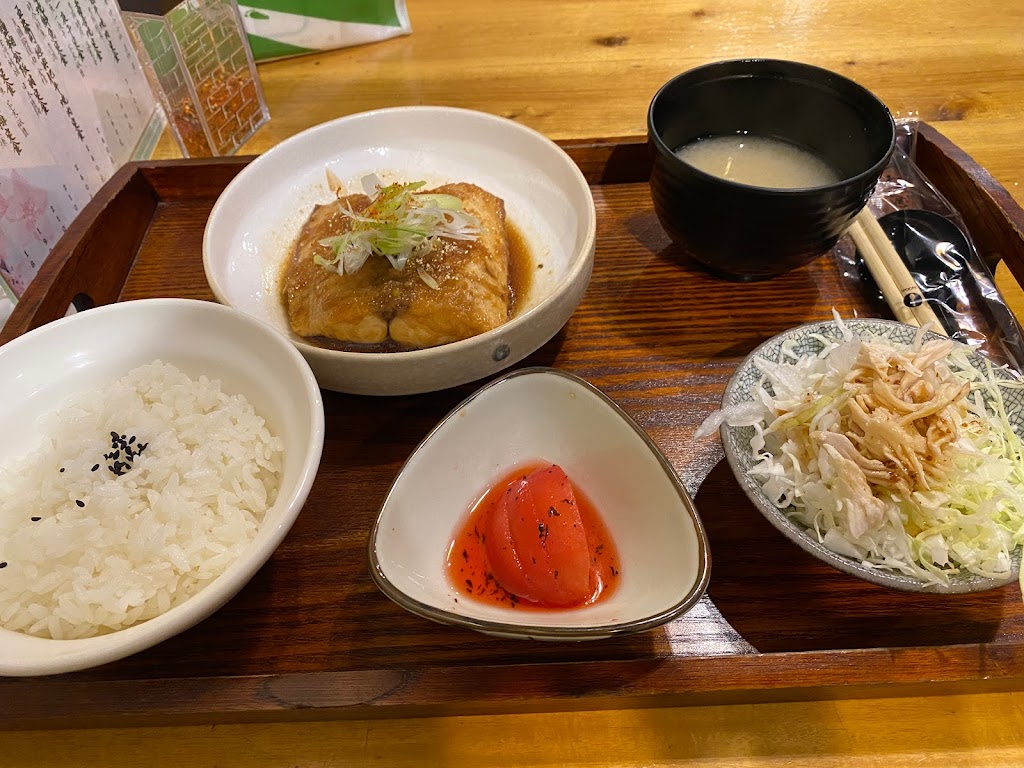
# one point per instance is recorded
(587, 68)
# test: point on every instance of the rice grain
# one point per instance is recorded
(92, 546)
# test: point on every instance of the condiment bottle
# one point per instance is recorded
(197, 59)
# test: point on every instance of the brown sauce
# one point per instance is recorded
(521, 269)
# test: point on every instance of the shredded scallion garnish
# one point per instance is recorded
(399, 224)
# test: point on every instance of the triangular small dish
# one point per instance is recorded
(530, 415)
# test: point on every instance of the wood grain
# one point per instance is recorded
(965, 731)
(582, 68)
(996, 220)
(310, 635)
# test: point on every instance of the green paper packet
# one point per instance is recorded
(280, 28)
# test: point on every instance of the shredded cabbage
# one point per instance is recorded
(399, 224)
(902, 457)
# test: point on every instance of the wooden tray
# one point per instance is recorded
(311, 636)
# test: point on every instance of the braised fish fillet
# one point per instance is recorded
(378, 302)
(472, 277)
(319, 301)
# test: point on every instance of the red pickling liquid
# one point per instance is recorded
(533, 584)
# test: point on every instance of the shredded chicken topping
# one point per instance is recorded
(901, 415)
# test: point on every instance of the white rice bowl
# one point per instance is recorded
(97, 533)
(43, 370)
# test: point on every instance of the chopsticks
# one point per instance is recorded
(898, 288)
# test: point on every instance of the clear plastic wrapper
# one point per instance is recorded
(934, 243)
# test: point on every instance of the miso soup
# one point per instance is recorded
(758, 161)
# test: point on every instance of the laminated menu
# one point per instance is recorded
(74, 107)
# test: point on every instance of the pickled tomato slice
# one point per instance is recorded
(536, 541)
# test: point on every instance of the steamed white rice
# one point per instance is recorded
(109, 551)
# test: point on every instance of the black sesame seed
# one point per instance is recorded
(35, 519)
(113, 435)
(95, 467)
(79, 502)
(117, 455)
(3, 564)
(131, 440)
(62, 469)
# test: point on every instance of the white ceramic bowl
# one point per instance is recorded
(41, 369)
(529, 415)
(252, 226)
(806, 340)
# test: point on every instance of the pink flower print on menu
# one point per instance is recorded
(27, 228)
(25, 219)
